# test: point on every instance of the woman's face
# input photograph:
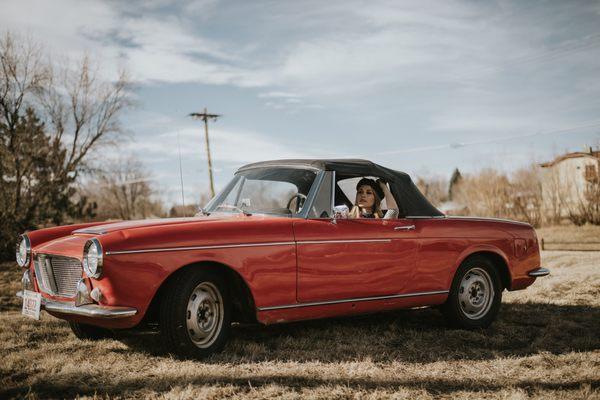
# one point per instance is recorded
(365, 197)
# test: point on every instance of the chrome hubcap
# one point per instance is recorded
(476, 293)
(204, 314)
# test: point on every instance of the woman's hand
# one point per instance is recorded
(383, 185)
(389, 197)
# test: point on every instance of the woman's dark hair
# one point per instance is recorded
(370, 182)
(377, 191)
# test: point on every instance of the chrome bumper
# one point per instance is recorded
(88, 310)
(536, 273)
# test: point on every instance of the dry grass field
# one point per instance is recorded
(545, 344)
(571, 237)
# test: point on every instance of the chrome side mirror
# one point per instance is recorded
(340, 212)
(201, 212)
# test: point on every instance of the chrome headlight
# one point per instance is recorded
(92, 258)
(23, 251)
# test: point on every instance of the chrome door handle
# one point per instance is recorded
(405, 228)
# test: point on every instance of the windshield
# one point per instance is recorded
(279, 191)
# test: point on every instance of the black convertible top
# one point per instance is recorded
(410, 199)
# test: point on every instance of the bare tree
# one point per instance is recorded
(485, 194)
(23, 76)
(83, 110)
(51, 120)
(80, 110)
(526, 196)
(124, 191)
(435, 189)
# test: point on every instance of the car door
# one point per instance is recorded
(353, 258)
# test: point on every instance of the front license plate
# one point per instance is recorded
(32, 302)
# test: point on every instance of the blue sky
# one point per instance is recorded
(419, 86)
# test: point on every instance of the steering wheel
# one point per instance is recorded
(301, 199)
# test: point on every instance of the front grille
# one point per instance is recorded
(58, 275)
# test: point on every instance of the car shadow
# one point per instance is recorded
(418, 336)
(410, 336)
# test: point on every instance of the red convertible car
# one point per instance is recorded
(276, 245)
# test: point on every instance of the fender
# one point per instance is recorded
(478, 248)
(241, 290)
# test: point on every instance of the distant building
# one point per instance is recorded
(566, 182)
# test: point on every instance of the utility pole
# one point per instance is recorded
(205, 116)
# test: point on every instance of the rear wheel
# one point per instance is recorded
(195, 314)
(90, 332)
(475, 295)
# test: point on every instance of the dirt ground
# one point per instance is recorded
(545, 344)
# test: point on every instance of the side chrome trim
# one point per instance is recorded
(484, 219)
(539, 272)
(89, 310)
(220, 246)
(425, 217)
(345, 241)
(324, 303)
(229, 246)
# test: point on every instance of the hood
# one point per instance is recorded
(144, 223)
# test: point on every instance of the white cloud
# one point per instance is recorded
(416, 73)
(227, 146)
(412, 42)
(153, 48)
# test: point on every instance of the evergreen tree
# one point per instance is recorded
(454, 181)
(36, 190)
(51, 120)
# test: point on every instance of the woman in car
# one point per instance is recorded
(367, 204)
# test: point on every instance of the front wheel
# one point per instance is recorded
(195, 314)
(475, 295)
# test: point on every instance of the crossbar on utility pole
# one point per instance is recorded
(205, 116)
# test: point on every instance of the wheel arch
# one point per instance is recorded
(496, 257)
(244, 309)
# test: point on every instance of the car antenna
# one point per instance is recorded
(181, 177)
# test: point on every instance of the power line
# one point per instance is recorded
(585, 43)
(456, 145)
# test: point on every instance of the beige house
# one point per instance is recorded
(569, 183)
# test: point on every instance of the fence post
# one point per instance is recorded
(542, 242)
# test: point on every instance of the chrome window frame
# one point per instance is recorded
(312, 195)
(314, 192)
(219, 197)
(310, 198)
(333, 183)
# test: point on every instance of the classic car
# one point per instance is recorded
(275, 246)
